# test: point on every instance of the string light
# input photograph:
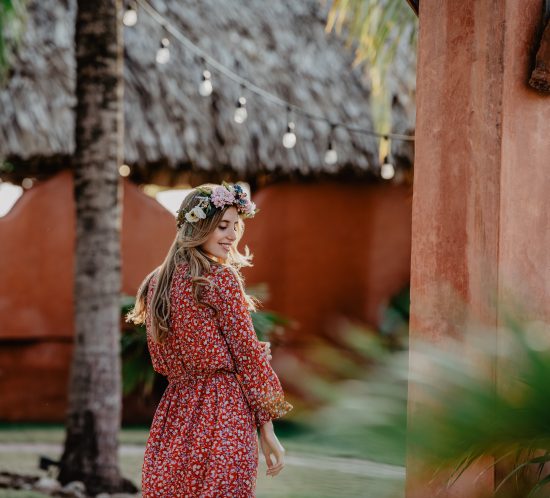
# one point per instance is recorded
(289, 138)
(205, 86)
(240, 112)
(27, 183)
(274, 99)
(387, 170)
(130, 16)
(124, 170)
(331, 156)
(163, 53)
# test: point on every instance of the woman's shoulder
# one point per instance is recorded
(182, 269)
(224, 276)
(219, 273)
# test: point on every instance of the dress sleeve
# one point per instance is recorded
(260, 383)
(155, 349)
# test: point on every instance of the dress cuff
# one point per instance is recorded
(272, 409)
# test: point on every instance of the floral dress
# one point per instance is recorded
(203, 440)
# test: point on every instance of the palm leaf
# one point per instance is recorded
(461, 417)
(372, 25)
(376, 29)
(540, 484)
(12, 15)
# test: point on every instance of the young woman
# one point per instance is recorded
(203, 440)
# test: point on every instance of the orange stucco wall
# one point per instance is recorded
(36, 256)
(480, 209)
(330, 250)
(36, 281)
(325, 250)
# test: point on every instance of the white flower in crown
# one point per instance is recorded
(195, 215)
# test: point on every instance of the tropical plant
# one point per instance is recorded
(375, 27)
(137, 370)
(377, 30)
(460, 418)
(394, 321)
(12, 16)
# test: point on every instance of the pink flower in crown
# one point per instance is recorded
(222, 197)
(247, 208)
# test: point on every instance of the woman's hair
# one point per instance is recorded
(186, 249)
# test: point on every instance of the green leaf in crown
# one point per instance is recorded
(204, 191)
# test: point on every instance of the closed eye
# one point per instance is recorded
(224, 227)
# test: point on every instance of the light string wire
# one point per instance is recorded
(270, 97)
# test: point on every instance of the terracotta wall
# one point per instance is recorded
(481, 186)
(329, 250)
(36, 279)
(325, 250)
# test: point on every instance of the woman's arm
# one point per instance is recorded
(260, 384)
(272, 449)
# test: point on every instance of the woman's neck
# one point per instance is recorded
(213, 258)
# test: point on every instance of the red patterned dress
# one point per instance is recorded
(203, 440)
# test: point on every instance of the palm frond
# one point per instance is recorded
(377, 30)
(12, 15)
(460, 417)
(375, 27)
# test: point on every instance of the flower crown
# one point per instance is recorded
(212, 199)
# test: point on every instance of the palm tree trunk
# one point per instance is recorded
(93, 418)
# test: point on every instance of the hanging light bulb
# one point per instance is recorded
(124, 170)
(27, 183)
(289, 138)
(240, 112)
(130, 16)
(163, 53)
(387, 170)
(205, 86)
(331, 157)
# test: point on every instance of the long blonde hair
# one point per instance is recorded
(186, 249)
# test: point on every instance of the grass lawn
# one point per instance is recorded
(309, 471)
(11, 493)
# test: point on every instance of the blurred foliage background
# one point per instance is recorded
(463, 420)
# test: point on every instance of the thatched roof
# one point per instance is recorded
(280, 46)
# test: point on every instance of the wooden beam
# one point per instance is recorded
(540, 77)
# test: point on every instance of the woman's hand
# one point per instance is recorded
(267, 348)
(272, 449)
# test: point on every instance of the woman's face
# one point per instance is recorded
(223, 237)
